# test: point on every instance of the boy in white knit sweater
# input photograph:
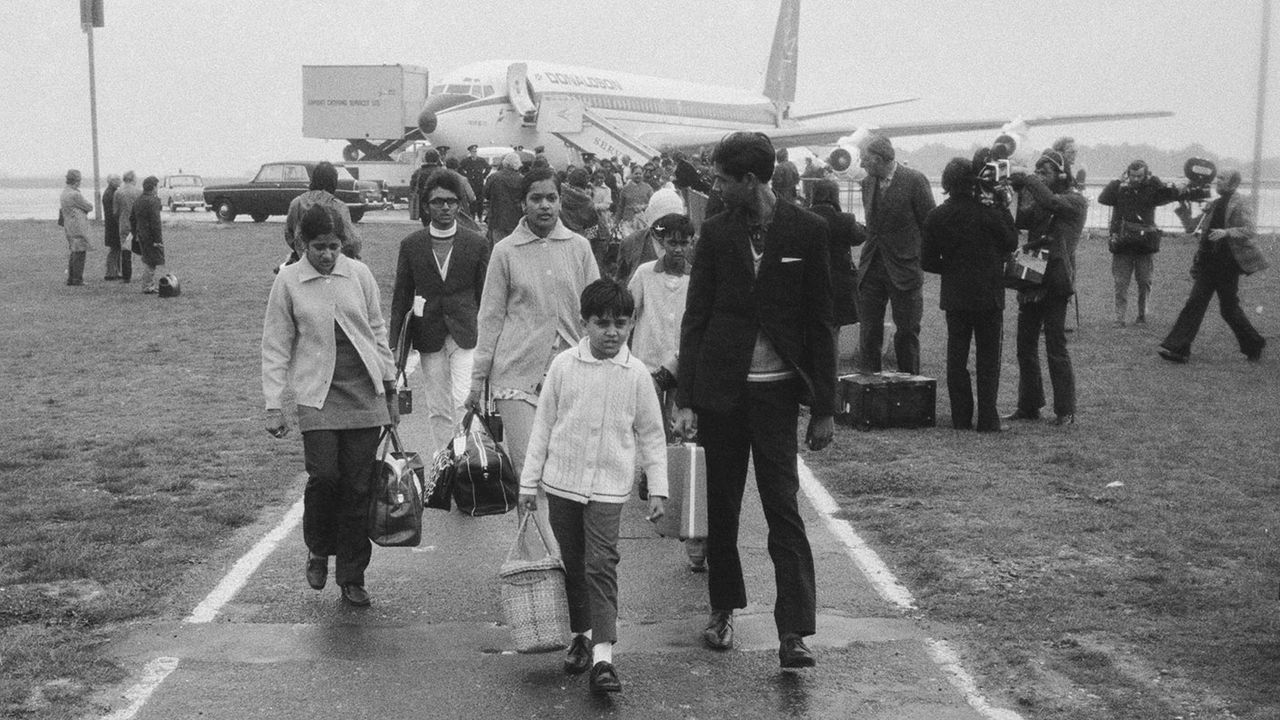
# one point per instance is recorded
(597, 416)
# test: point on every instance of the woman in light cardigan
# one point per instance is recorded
(324, 334)
(529, 311)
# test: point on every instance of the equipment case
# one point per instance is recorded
(886, 400)
(686, 514)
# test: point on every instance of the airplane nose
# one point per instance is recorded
(427, 122)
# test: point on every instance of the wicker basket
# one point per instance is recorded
(534, 604)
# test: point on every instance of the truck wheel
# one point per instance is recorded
(259, 217)
(356, 215)
(225, 211)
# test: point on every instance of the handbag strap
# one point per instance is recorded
(390, 440)
(518, 544)
(402, 345)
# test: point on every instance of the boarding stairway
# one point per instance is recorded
(569, 119)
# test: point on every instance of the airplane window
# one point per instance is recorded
(488, 91)
(438, 89)
(459, 90)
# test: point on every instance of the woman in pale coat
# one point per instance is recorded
(74, 210)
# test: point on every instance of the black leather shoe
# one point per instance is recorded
(578, 659)
(1171, 356)
(793, 653)
(317, 571)
(1023, 415)
(1066, 419)
(604, 679)
(719, 632)
(1255, 355)
(355, 595)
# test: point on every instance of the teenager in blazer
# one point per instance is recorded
(757, 340)
(440, 276)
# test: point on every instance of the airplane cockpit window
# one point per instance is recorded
(487, 92)
(437, 90)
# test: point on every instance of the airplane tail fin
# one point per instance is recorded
(780, 77)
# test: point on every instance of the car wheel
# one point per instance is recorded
(356, 215)
(225, 211)
(259, 217)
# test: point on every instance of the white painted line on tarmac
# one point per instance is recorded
(888, 587)
(863, 556)
(244, 568)
(152, 675)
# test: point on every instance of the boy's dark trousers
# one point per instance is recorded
(762, 428)
(588, 538)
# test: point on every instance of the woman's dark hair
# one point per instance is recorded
(740, 153)
(607, 297)
(445, 181)
(538, 174)
(315, 223)
(957, 177)
(325, 177)
(826, 192)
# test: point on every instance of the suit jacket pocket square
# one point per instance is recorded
(787, 259)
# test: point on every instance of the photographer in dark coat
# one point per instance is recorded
(1135, 239)
(1053, 214)
(966, 241)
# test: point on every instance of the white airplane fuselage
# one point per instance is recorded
(477, 104)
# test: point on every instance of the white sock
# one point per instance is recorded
(602, 652)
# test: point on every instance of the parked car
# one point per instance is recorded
(186, 191)
(277, 184)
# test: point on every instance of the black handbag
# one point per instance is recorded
(395, 503)
(1135, 239)
(483, 478)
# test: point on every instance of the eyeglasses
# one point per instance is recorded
(443, 202)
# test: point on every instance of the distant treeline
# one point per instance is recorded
(1103, 162)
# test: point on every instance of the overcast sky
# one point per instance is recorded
(215, 88)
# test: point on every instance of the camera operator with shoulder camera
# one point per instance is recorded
(1134, 237)
(1053, 214)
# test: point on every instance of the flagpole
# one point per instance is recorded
(93, 120)
(1262, 101)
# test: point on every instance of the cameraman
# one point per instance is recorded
(966, 241)
(1053, 214)
(1135, 239)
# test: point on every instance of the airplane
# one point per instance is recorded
(570, 110)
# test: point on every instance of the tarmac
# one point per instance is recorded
(432, 645)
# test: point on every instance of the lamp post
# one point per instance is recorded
(1262, 98)
(91, 17)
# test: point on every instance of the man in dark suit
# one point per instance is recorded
(757, 340)
(896, 199)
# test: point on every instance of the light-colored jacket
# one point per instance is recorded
(530, 298)
(594, 418)
(125, 197)
(75, 220)
(1240, 231)
(338, 212)
(298, 341)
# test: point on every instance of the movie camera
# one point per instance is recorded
(993, 170)
(1200, 174)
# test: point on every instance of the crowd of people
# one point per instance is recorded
(132, 227)
(602, 322)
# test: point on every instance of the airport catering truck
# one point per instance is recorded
(375, 109)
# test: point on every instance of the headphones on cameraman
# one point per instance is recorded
(1056, 160)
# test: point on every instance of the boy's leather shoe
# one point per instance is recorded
(578, 659)
(793, 653)
(604, 679)
(355, 594)
(719, 632)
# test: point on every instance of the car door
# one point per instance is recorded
(295, 179)
(264, 188)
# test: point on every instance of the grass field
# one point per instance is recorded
(1122, 567)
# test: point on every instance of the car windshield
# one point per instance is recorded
(178, 180)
